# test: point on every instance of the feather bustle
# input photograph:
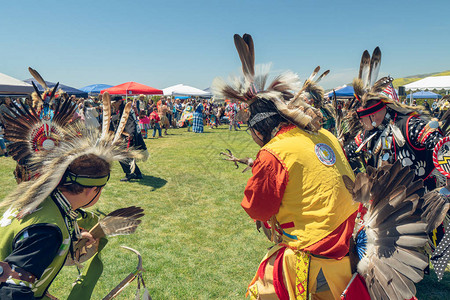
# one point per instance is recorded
(395, 230)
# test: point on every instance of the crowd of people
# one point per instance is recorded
(345, 189)
(193, 114)
(149, 117)
(154, 116)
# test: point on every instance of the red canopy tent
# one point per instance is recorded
(132, 88)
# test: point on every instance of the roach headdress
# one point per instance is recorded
(50, 146)
(251, 88)
(369, 96)
(41, 102)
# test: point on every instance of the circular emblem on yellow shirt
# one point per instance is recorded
(325, 154)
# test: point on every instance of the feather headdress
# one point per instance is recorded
(36, 128)
(367, 87)
(369, 97)
(252, 87)
(41, 101)
(122, 221)
(69, 142)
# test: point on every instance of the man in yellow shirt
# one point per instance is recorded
(296, 187)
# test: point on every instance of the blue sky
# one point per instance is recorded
(162, 43)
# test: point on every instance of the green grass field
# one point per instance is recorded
(195, 239)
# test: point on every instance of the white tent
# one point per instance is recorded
(184, 90)
(430, 83)
(12, 86)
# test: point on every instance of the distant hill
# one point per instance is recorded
(405, 80)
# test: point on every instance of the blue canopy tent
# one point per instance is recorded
(95, 88)
(424, 95)
(68, 89)
(345, 92)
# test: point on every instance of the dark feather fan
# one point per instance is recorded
(122, 221)
(119, 222)
(396, 225)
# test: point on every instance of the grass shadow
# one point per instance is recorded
(243, 127)
(204, 132)
(152, 181)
